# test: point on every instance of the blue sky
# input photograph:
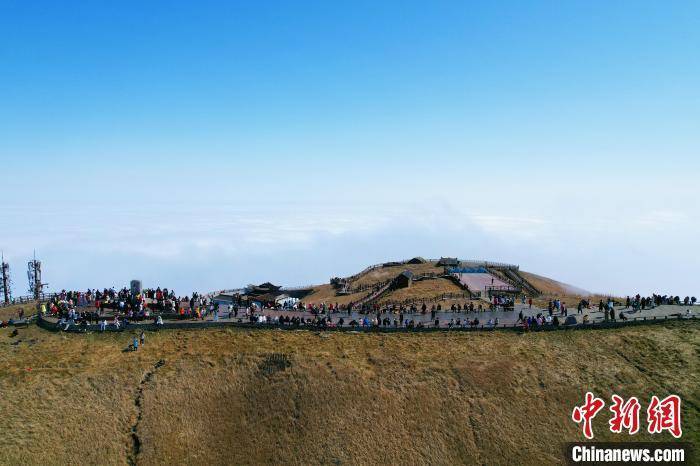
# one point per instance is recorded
(205, 145)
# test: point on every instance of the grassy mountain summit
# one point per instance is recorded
(242, 397)
(431, 280)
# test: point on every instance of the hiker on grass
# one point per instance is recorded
(136, 344)
(143, 338)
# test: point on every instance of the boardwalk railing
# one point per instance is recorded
(296, 288)
(430, 299)
(514, 278)
(192, 325)
(29, 299)
(494, 265)
(478, 262)
(381, 289)
(510, 288)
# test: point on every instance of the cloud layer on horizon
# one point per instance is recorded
(220, 246)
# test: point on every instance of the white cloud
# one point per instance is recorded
(628, 243)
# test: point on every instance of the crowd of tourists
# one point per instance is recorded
(503, 301)
(499, 302)
(112, 309)
(115, 309)
(540, 320)
(638, 302)
(91, 307)
(366, 322)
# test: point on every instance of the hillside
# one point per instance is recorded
(12, 311)
(220, 396)
(425, 289)
(428, 289)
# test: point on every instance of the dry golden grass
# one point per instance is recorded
(548, 286)
(11, 312)
(387, 273)
(327, 294)
(552, 289)
(431, 398)
(423, 289)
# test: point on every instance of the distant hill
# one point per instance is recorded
(430, 281)
(228, 396)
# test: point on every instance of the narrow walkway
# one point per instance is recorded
(506, 319)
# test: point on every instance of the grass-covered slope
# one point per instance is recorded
(217, 396)
(12, 311)
(427, 290)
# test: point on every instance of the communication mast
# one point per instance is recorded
(5, 280)
(36, 286)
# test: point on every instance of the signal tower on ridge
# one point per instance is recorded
(36, 286)
(5, 283)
